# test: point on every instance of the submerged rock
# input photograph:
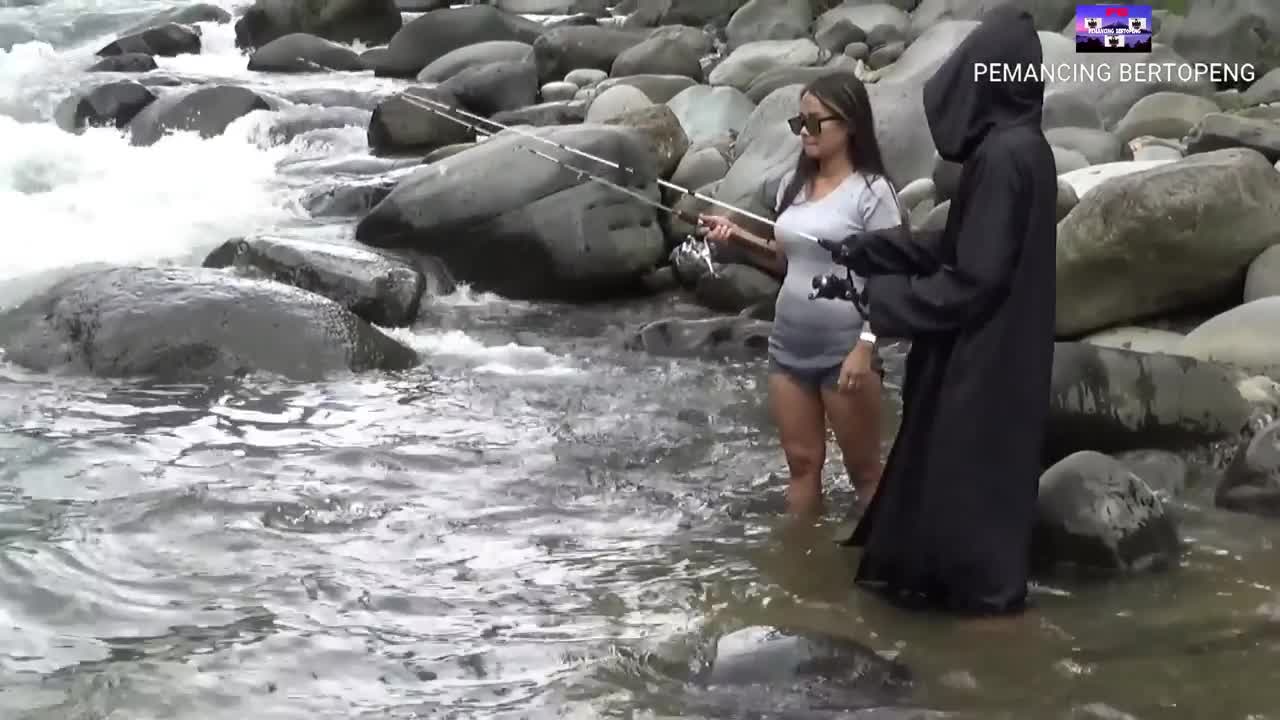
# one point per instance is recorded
(111, 105)
(1251, 482)
(381, 289)
(179, 323)
(300, 52)
(738, 338)
(207, 111)
(168, 40)
(1094, 513)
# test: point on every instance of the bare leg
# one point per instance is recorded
(797, 411)
(855, 419)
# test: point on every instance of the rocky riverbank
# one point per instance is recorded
(1168, 248)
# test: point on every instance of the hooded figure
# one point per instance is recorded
(951, 524)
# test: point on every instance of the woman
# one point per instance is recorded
(823, 366)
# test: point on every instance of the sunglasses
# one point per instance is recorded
(809, 123)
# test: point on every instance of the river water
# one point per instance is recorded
(526, 526)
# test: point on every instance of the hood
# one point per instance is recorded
(962, 109)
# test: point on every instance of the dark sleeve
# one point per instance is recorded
(895, 251)
(987, 244)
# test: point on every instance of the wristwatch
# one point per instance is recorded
(867, 336)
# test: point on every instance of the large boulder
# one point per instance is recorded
(505, 219)
(377, 286)
(1050, 15)
(709, 114)
(1189, 229)
(769, 20)
(1232, 32)
(405, 123)
(1219, 131)
(111, 105)
(1095, 514)
(169, 40)
(206, 111)
(668, 140)
(180, 323)
(434, 35)
(1112, 400)
(373, 22)
(753, 59)
(564, 49)
(1251, 483)
(300, 52)
(481, 53)
(1247, 337)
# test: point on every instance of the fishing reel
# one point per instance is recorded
(698, 248)
(834, 287)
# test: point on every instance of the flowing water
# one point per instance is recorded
(532, 524)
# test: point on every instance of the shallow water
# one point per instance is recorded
(526, 526)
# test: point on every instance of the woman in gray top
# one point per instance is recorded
(823, 362)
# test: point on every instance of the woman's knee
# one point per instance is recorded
(805, 457)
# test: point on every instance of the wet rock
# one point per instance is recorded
(783, 665)
(110, 105)
(372, 22)
(1263, 277)
(558, 91)
(1251, 483)
(717, 337)
(398, 125)
(769, 20)
(700, 167)
(586, 77)
(508, 221)
(1095, 145)
(1218, 131)
(303, 119)
(1096, 514)
(134, 62)
(347, 200)
(380, 289)
(1231, 32)
(185, 15)
(300, 52)
(565, 49)
(660, 125)
(658, 55)
(1166, 473)
(838, 36)
(495, 87)
(735, 288)
(166, 41)
(1111, 400)
(481, 53)
(1188, 228)
(435, 34)
(1138, 339)
(658, 88)
(865, 15)
(207, 111)
(751, 60)
(1245, 336)
(184, 323)
(1164, 115)
(546, 114)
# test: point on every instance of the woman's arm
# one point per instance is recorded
(764, 253)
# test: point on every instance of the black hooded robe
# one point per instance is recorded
(950, 526)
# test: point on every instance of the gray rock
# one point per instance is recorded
(1138, 339)
(1112, 400)
(207, 111)
(658, 55)
(565, 49)
(770, 80)
(184, 15)
(111, 105)
(433, 35)
(1189, 229)
(1244, 336)
(1047, 14)
(666, 139)
(1164, 115)
(700, 167)
(187, 323)
(749, 61)
(545, 114)
(506, 220)
(1066, 109)
(300, 52)
(768, 20)
(886, 55)
(481, 53)
(168, 40)
(717, 337)
(710, 113)
(658, 88)
(616, 101)
(1096, 514)
(1097, 146)
(1266, 89)
(397, 125)
(1217, 131)
(586, 77)
(1231, 32)
(1251, 483)
(735, 288)
(495, 87)
(857, 50)
(1068, 160)
(1166, 473)
(838, 36)
(381, 289)
(1066, 200)
(866, 16)
(558, 91)
(346, 200)
(1263, 277)
(373, 22)
(133, 62)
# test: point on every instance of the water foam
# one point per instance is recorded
(508, 359)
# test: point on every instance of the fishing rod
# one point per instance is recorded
(448, 112)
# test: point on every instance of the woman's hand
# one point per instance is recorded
(719, 229)
(855, 371)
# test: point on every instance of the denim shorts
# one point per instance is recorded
(827, 376)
